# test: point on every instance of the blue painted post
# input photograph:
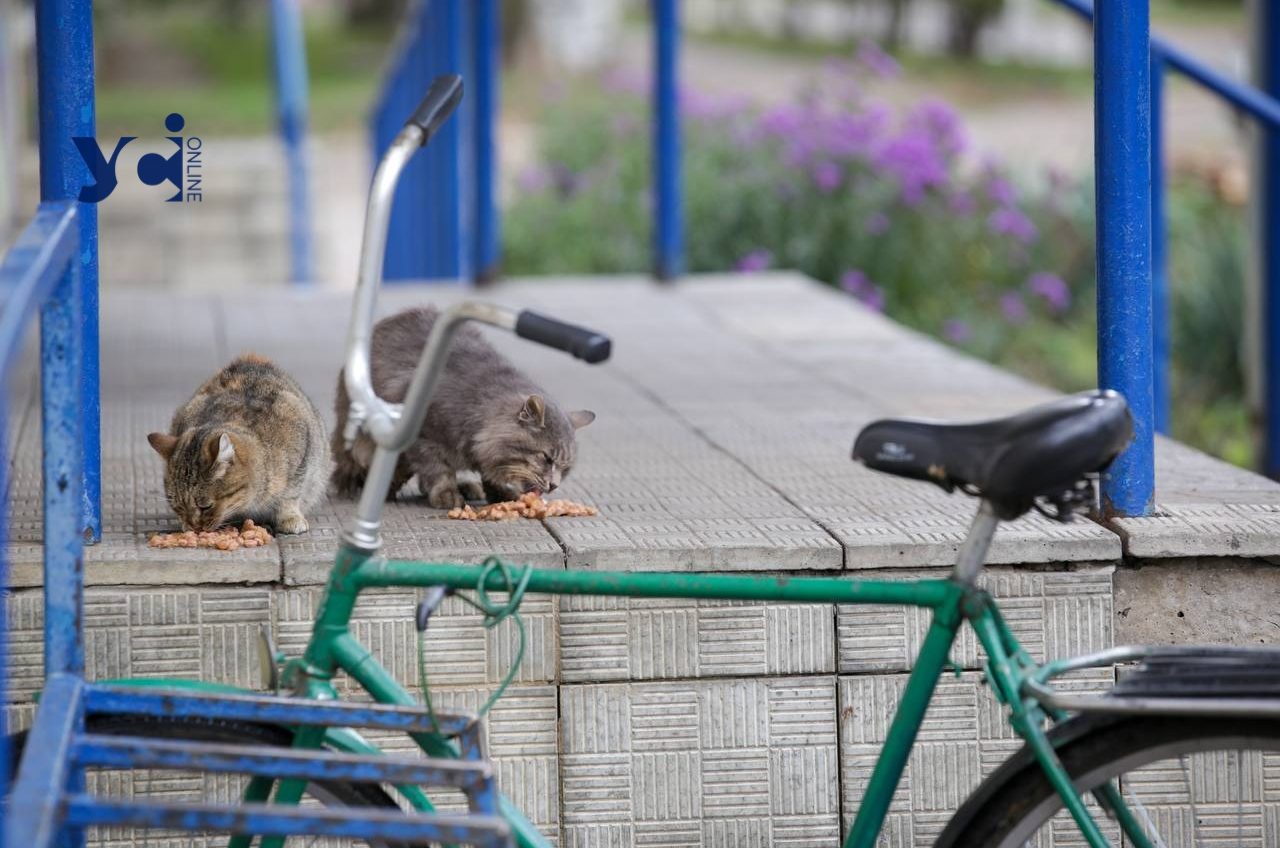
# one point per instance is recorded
(1161, 315)
(65, 87)
(1122, 154)
(1269, 66)
(488, 64)
(62, 438)
(290, 60)
(668, 223)
(430, 235)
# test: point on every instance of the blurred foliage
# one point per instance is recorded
(158, 56)
(889, 206)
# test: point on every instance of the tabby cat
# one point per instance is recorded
(249, 444)
(485, 417)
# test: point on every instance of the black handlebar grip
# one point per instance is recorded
(587, 345)
(442, 98)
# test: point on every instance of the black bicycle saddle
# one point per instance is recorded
(1042, 453)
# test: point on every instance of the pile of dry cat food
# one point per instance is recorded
(223, 539)
(530, 505)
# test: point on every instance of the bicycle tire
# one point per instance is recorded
(331, 793)
(1017, 802)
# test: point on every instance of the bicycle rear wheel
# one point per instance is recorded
(198, 787)
(1189, 781)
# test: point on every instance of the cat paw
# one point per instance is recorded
(291, 523)
(471, 490)
(445, 496)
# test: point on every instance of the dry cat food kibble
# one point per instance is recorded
(530, 505)
(224, 539)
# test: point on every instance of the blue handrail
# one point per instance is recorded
(41, 274)
(65, 103)
(445, 222)
(289, 55)
(1265, 109)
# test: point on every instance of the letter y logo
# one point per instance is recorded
(101, 169)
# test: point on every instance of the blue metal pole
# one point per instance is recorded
(1160, 296)
(430, 235)
(62, 439)
(488, 64)
(668, 210)
(290, 59)
(65, 87)
(1269, 65)
(1122, 154)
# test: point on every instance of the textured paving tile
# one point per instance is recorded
(1053, 614)
(724, 763)
(635, 639)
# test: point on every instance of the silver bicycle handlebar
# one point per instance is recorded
(392, 427)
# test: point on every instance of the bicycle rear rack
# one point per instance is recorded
(58, 750)
(1171, 680)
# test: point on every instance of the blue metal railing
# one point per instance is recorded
(65, 88)
(445, 222)
(289, 56)
(1265, 109)
(42, 274)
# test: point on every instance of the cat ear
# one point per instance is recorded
(220, 452)
(534, 412)
(163, 443)
(580, 418)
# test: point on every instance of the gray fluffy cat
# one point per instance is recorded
(485, 416)
(249, 444)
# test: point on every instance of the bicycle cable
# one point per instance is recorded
(494, 614)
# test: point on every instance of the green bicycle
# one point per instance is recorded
(1182, 722)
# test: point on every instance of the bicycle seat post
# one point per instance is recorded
(973, 550)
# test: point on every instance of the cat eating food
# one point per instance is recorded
(486, 416)
(248, 444)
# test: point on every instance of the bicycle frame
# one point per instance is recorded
(953, 601)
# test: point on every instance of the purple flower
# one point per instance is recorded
(873, 299)
(827, 176)
(854, 282)
(915, 162)
(1052, 289)
(938, 121)
(1013, 308)
(860, 286)
(1001, 191)
(963, 204)
(877, 61)
(1011, 222)
(756, 260)
(957, 331)
(877, 224)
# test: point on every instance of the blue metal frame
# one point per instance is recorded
(1160, 314)
(290, 60)
(65, 85)
(668, 223)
